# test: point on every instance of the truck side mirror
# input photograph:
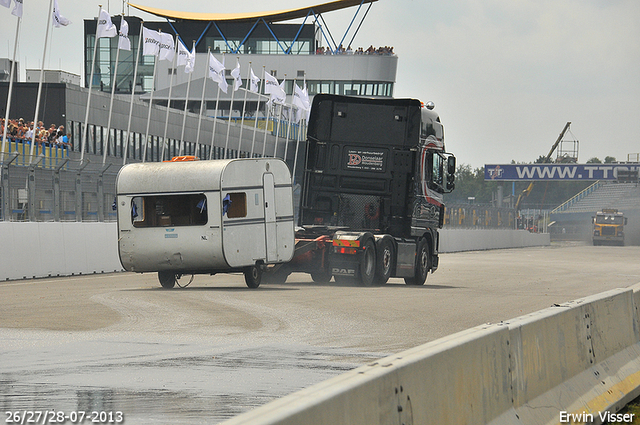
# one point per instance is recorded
(451, 173)
(625, 221)
(451, 165)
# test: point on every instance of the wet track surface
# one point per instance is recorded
(202, 354)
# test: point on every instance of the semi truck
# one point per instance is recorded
(372, 188)
(371, 203)
(608, 227)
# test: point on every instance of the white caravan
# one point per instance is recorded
(181, 218)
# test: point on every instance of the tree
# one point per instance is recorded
(609, 159)
(594, 160)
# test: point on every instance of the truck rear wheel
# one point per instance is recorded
(167, 279)
(253, 276)
(422, 266)
(368, 264)
(384, 261)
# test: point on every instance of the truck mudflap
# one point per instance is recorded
(354, 256)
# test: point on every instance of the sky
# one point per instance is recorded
(505, 75)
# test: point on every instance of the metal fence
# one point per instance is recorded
(61, 190)
(489, 217)
(478, 216)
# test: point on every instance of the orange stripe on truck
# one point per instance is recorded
(349, 243)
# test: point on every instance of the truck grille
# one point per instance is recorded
(608, 231)
(360, 211)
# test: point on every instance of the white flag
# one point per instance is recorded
(123, 40)
(270, 83)
(301, 101)
(277, 92)
(58, 19)
(105, 26)
(17, 9)
(237, 80)
(152, 40)
(183, 55)
(167, 47)
(186, 58)
(5, 3)
(255, 83)
(191, 61)
(216, 72)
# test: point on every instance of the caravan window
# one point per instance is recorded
(235, 205)
(169, 210)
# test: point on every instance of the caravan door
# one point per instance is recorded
(271, 232)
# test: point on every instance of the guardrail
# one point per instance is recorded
(577, 362)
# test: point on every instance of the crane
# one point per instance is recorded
(546, 160)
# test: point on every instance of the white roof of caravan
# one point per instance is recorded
(199, 176)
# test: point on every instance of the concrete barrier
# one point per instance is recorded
(454, 240)
(573, 363)
(63, 249)
(31, 250)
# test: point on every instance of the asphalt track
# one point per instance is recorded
(120, 343)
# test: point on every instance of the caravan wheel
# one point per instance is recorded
(167, 279)
(252, 276)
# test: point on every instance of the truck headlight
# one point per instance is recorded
(596, 233)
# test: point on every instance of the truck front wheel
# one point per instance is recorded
(421, 265)
(368, 264)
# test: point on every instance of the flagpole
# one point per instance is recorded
(166, 117)
(255, 127)
(133, 91)
(86, 115)
(279, 117)
(302, 121)
(113, 91)
(215, 118)
(215, 121)
(286, 144)
(266, 127)
(44, 54)
(226, 142)
(244, 105)
(186, 100)
(275, 145)
(202, 104)
(8, 108)
(295, 158)
(146, 136)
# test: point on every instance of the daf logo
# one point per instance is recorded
(339, 271)
(354, 159)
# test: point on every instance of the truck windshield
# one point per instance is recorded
(608, 219)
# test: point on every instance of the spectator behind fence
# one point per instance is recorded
(386, 50)
(19, 131)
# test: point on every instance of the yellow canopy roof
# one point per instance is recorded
(274, 16)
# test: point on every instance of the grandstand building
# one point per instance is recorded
(211, 129)
(573, 219)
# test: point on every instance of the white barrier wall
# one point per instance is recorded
(30, 250)
(574, 363)
(454, 240)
